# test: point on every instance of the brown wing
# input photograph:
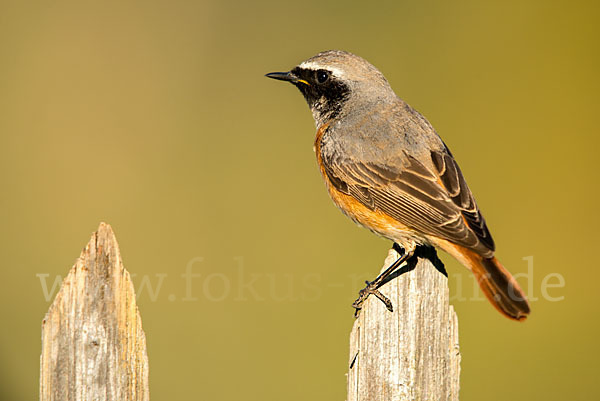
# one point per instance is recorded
(435, 203)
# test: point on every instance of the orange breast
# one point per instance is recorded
(375, 220)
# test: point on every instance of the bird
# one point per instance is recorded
(387, 169)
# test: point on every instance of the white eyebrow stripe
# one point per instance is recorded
(314, 66)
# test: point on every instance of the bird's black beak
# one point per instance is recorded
(286, 76)
(282, 76)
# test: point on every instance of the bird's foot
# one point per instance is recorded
(371, 288)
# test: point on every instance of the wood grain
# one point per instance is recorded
(411, 353)
(93, 345)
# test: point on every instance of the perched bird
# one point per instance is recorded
(387, 169)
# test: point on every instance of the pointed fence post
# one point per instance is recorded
(93, 345)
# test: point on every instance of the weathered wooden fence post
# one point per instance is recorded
(93, 346)
(412, 353)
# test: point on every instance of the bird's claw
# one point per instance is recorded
(363, 294)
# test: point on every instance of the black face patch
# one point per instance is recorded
(324, 93)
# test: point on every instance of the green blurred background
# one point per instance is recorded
(155, 117)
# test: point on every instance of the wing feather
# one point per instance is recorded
(432, 201)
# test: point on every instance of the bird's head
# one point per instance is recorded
(333, 79)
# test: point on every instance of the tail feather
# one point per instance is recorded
(500, 287)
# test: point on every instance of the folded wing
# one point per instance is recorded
(433, 201)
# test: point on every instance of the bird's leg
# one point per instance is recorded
(373, 286)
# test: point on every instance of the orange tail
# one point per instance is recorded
(495, 281)
(499, 287)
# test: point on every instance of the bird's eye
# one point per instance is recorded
(322, 76)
